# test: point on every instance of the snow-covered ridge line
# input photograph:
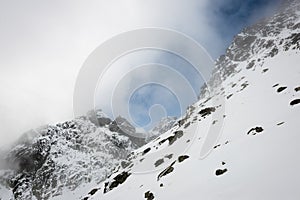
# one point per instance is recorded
(256, 157)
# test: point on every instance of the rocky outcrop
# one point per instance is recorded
(63, 157)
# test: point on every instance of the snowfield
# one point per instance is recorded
(256, 156)
(261, 165)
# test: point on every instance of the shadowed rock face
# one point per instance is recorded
(104, 121)
(30, 157)
(123, 127)
(119, 125)
(117, 180)
(244, 51)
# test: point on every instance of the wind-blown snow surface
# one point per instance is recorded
(257, 154)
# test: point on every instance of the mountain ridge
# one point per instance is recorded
(259, 78)
(256, 156)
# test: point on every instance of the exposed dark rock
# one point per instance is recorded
(177, 134)
(117, 180)
(229, 96)
(29, 158)
(169, 156)
(265, 70)
(167, 171)
(220, 171)
(93, 191)
(187, 124)
(280, 89)
(294, 41)
(274, 52)
(251, 64)
(181, 122)
(244, 85)
(207, 111)
(162, 141)
(294, 102)
(255, 130)
(122, 126)
(243, 52)
(182, 158)
(159, 162)
(149, 195)
(172, 138)
(125, 164)
(146, 150)
(279, 124)
(259, 129)
(104, 121)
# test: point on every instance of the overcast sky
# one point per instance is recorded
(43, 44)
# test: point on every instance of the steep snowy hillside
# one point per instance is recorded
(62, 161)
(257, 154)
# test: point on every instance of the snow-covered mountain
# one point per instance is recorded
(119, 125)
(60, 159)
(256, 156)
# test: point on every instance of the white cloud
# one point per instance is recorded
(44, 44)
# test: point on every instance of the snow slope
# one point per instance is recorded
(256, 156)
